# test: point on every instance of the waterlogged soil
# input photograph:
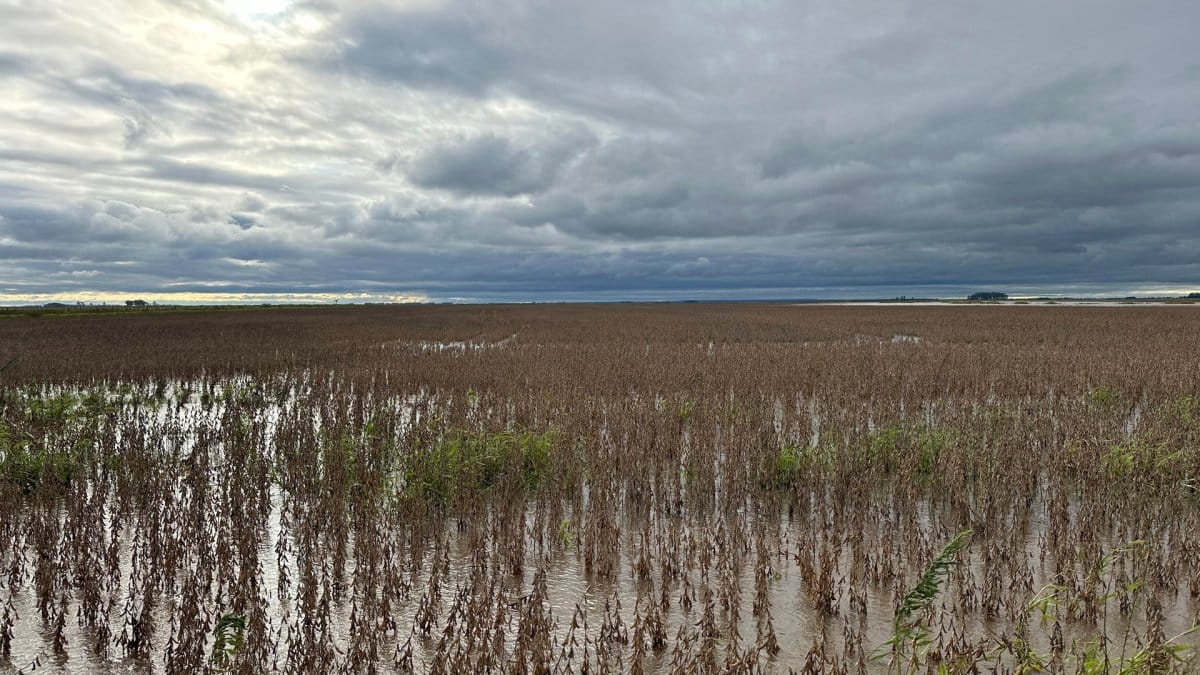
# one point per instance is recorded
(757, 580)
(573, 592)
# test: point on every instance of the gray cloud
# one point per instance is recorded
(11, 64)
(491, 164)
(139, 124)
(536, 149)
(450, 51)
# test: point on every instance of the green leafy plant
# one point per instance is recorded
(910, 633)
(686, 410)
(1105, 399)
(28, 467)
(229, 635)
(478, 461)
(1186, 410)
(784, 468)
(1139, 458)
(1160, 658)
(54, 455)
(917, 446)
(566, 533)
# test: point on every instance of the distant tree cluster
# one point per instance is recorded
(1194, 296)
(988, 295)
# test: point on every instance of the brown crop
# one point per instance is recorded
(595, 488)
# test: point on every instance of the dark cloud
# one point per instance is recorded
(427, 49)
(12, 64)
(491, 164)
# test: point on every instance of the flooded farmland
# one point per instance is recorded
(605, 489)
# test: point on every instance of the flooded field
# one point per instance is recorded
(603, 489)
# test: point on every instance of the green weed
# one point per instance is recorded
(27, 466)
(785, 468)
(910, 633)
(229, 635)
(917, 446)
(1141, 459)
(1105, 399)
(467, 461)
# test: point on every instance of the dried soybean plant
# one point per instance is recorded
(641, 488)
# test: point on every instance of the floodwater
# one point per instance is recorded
(796, 623)
(573, 591)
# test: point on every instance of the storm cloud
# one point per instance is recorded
(529, 149)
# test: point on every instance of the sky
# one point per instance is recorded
(544, 150)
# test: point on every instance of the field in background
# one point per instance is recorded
(648, 488)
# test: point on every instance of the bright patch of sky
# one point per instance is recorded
(257, 10)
